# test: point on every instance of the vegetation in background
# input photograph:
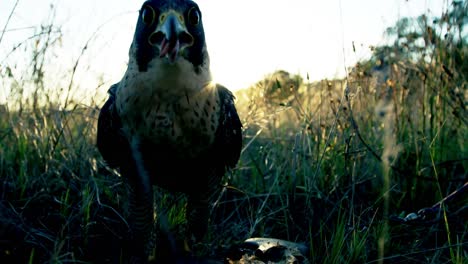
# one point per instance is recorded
(327, 163)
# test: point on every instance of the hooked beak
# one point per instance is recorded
(171, 36)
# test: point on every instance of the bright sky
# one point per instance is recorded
(246, 39)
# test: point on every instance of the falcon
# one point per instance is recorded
(166, 122)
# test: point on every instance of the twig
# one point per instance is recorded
(8, 20)
(83, 50)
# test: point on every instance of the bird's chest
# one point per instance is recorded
(185, 126)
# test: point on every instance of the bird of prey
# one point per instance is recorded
(166, 123)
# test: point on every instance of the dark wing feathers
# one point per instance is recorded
(228, 139)
(111, 142)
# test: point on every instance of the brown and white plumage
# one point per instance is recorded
(166, 123)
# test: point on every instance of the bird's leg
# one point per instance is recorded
(141, 224)
(197, 219)
(198, 210)
(141, 211)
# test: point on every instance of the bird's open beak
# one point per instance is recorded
(171, 35)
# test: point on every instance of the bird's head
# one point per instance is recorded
(168, 31)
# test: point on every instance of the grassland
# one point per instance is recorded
(329, 163)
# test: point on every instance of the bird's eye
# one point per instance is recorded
(148, 15)
(194, 16)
